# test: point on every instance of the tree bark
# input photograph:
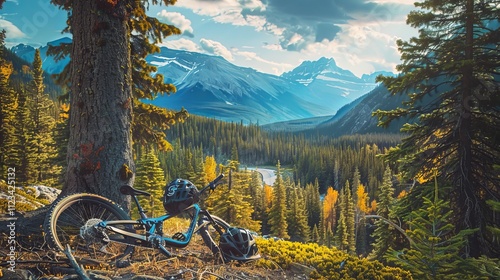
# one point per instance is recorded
(468, 199)
(99, 149)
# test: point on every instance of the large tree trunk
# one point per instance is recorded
(99, 149)
(468, 201)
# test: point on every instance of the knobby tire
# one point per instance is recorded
(209, 234)
(70, 214)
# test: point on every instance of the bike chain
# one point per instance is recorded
(152, 248)
(133, 245)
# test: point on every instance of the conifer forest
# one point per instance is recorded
(419, 203)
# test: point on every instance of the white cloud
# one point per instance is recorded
(273, 47)
(12, 31)
(277, 67)
(214, 47)
(209, 8)
(229, 11)
(178, 20)
(182, 44)
(289, 19)
(364, 42)
(362, 48)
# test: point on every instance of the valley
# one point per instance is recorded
(210, 86)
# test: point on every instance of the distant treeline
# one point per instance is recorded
(309, 157)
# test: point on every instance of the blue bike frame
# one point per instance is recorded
(151, 238)
(151, 225)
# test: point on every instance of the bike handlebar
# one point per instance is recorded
(212, 184)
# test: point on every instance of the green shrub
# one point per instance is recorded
(329, 263)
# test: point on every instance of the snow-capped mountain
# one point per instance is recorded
(213, 87)
(49, 65)
(330, 84)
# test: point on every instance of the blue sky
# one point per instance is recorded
(272, 36)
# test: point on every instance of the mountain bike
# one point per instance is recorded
(97, 228)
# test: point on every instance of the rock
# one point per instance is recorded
(301, 269)
(43, 192)
(34, 191)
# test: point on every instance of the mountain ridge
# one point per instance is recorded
(211, 86)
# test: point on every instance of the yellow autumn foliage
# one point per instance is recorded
(326, 263)
(427, 173)
(64, 111)
(210, 167)
(402, 194)
(5, 70)
(329, 204)
(268, 196)
(373, 206)
(362, 199)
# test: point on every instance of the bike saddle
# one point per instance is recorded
(131, 191)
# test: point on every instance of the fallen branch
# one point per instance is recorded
(34, 261)
(78, 269)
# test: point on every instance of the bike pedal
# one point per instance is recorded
(179, 236)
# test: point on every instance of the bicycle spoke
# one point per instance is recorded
(74, 222)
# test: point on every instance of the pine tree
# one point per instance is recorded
(329, 237)
(20, 150)
(297, 217)
(106, 97)
(362, 207)
(189, 171)
(231, 203)
(235, 156)
(150, 122)
(267, 201)
(341, 234)
(450, 76)
(8, 109)
(41, 167)
(315, 234)
(150, 177)
(278, 211)
(350, 222)
(435, 250)
(322, 226)
(200, 178)
(382, 234)
(336, 182)
(61, 136)
(313, 204)
(256, 192)
(356, 182)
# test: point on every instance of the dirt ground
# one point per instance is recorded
(34, 261)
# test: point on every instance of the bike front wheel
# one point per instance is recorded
(73, 221)
(210, 234)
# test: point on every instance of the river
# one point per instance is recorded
(268, 175)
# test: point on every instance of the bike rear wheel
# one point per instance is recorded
(71, 221)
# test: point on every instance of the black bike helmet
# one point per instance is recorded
(238, 244)
(179, 195)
